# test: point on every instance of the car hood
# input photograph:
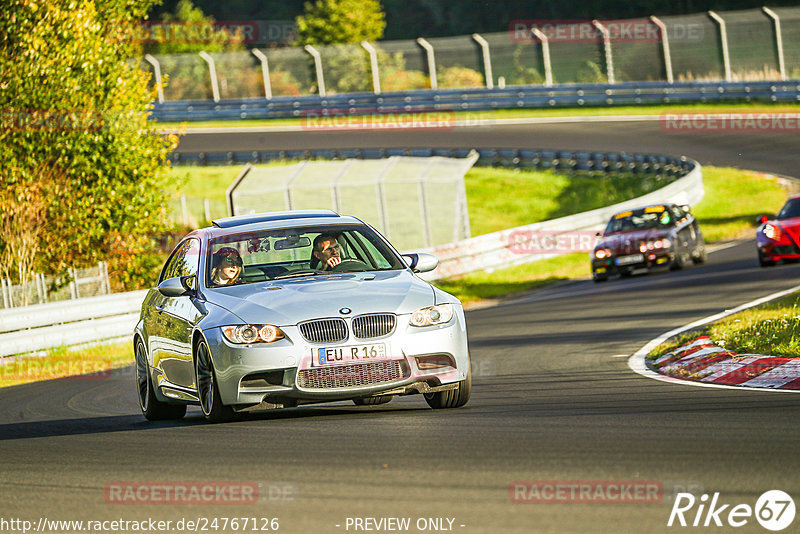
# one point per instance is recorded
(290, 301)
(628, 242)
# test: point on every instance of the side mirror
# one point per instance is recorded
(421, 262)
(761, 219)
(177, 287)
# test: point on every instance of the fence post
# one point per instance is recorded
(431, 61)
(487, 59)
(157, 72)
(664, 47)
(104, 273)
(548, 67)
(44, 286)
(336, 199)
(6, 296)
(73, 284)
(207, 209)
(607, 46)
(39, 292)
(184, 210)
(778, 40)
(318, 67)
(264, 72)
(212, 70)
(287, 192)
(381, 194)
(373, 64)
(723, 35)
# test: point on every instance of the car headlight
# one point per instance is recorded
(771, 231)
(601, 253)
(432, 315)
(252, 333)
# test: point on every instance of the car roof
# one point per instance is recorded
(666, 204)
(275, 220)
(251, 218)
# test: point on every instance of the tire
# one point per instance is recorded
(701, 257)
(599, 277)
(152, 408)
(452, 398)
(678, 263)
(764, 262)
(207, 390)
(373, 401)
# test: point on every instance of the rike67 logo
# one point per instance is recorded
(774, 510)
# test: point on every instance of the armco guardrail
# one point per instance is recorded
(313, 107)
(558, 160)
(44, 326)
(513, 247)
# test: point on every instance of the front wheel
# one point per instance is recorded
(763, 261)
(701, 257)
(152, 408)
(208, 388)
(452, 398)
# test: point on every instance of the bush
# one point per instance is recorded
(76, 107)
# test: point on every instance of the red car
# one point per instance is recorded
(777, 238)
(662, 235)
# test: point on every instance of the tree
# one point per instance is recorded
(340, 21)
(188, 30)
(75, 107)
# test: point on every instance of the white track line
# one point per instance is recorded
(458, 123)
(637, 361)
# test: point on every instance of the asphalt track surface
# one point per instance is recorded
(553, 400)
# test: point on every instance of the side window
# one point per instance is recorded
(183, 262)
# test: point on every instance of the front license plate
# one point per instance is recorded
(628, 260)
(350, 353)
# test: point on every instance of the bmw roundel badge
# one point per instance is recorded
(344, 311)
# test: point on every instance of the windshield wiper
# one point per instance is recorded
(299, 274)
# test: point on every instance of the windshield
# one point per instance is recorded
(790, 210)
(642, 219)
(294, 252)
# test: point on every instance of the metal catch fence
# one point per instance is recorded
(42, 289)
(748, 45)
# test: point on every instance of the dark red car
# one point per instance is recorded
(661, 235)
(777, 238)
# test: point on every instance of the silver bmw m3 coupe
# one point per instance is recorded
(279, 309)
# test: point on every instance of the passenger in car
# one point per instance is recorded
(226, 266)
(326, 253)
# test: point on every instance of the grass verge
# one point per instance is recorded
(772, 329)
(93, 362)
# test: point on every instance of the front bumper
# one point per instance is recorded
(623, 264)
(284, 373)
(777, 250)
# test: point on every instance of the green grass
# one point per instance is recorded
(772, 329)
(483, 285)
(63, 361)
(527, 113)
(733, 200)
